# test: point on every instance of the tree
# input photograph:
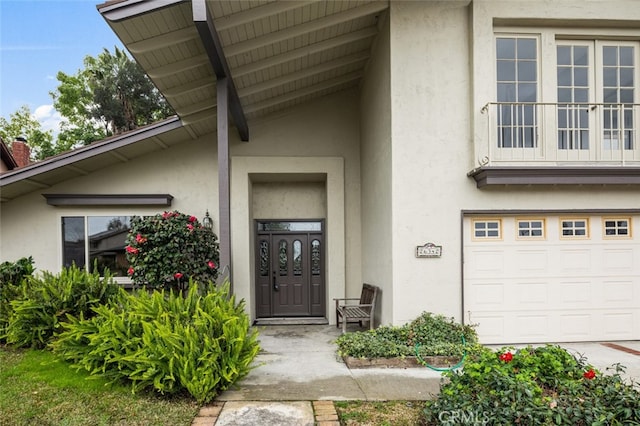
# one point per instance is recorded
(111, 95)
(22, 123)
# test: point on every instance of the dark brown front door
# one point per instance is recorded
(289, 269)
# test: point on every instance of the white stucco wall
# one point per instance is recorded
(439, 82)
(377, 228)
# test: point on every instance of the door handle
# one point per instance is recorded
(275, 285)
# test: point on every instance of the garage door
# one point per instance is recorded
(552, 278)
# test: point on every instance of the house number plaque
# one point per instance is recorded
(429, 250)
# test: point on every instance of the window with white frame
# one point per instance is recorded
(530, 228)
(96, 241)
(574, 228)
(487, 229)
(595, 96)
(616, 227)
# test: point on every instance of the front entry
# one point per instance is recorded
(290, 269)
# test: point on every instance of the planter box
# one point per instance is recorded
(406, 362)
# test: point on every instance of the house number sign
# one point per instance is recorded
(429, 250)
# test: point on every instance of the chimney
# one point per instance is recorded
(21, 152)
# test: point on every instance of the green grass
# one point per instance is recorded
(37, 388)
(380, 413)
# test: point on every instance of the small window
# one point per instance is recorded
(531, 228)
(487, 229)
(615, 227)
(574, 228)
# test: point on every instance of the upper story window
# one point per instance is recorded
(517, 85)
(90, 241)
(569, 100)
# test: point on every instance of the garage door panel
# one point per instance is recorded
(555, 290)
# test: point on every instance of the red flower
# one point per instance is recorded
(140, 239)
(177, 275)
(131, 250)
(130, 271)
(190, 227)
(211, 264)
(506, 357)
(166, 215)
(589, 374)
(192, 218)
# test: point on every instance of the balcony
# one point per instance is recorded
(560, 143)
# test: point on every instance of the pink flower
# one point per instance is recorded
(166, 215)
(140, 239)
(177, 275)
(211, 264)
(506, 357)
(589, 374)
(192, 218)
(131, 250)
(190, 227)
(130, 271)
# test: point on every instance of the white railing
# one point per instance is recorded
(563, 133)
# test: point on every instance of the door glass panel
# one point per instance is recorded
(573, 88)
(315, 257)
(290, 226)
(297, 258)
(282, 258)
(517, 90)
(264, 258)
(618, 92)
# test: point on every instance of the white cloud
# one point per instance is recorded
(48, 117)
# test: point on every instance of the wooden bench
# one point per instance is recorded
(361, 311)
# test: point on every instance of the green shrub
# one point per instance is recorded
(169, 249)
(532, 386)
(11, 276)
(201, 343)
(44, 301)
(430, 335)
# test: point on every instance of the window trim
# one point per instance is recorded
(542, 237)
(500, 236)
(574, 219)
(629, 235)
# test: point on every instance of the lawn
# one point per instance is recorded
(37, 388)
(380, 413)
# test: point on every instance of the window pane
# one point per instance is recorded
(506, 92)
(564, 76)
(610, 77)
(626, 77)
(506, 48)
(283, 258)
(527, 92)
(581, 95)
(107, 236)
(297, 258)
(564, 55)
(526, 48)
(73, 250)
(580, 77)
(626, 96)
(609, 55)
(527, 71)
(580, 55)
(315, 257)
(626, 56)
(264, 258)
(506, 71)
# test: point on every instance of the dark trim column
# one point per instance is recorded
(224, 193)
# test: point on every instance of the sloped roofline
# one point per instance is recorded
(7, 157)
(97, 148)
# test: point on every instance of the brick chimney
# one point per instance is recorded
(21, 152)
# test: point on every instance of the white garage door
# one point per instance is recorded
(560, 278)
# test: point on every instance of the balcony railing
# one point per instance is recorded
(563, 133)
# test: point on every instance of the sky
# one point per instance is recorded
(38, 38)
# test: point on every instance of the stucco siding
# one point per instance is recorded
(377, 229)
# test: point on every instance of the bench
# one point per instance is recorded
(361, 311)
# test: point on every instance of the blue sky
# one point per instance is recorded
(38, 38)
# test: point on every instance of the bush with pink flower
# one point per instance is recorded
(168, 249)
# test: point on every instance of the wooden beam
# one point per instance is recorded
(213, 47)
(224, 189)
(192, 86)
(260, 12)
(167, 39)
(179, 66)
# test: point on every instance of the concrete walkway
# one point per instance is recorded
(298, 374)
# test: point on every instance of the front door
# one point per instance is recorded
(289, 269)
